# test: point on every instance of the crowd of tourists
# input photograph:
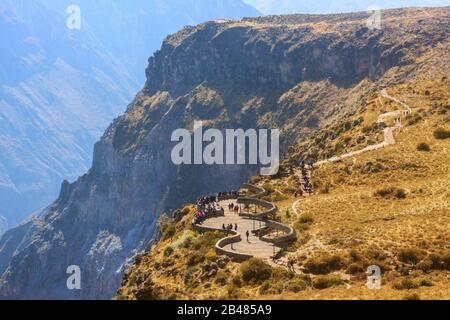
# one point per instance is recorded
(233, 208)
(307, 185)
(208, 206)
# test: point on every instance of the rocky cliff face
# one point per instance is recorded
(294, 73)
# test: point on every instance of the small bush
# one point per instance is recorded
(441, 133)
(207, 240)
(325, 189)
(405, 284)
(304, 222)
(255, 270)
(269, 188)
(168, 251)
(440, 262)
(425, 283)
(411, 296)
(168, 230)
(423, 147)
(264, 287)
(327, 282)
(306, 219)
(391, 192)
(410, 255)
(425, 265)
(355, 268)
(236, 281)
(296, 285)
(324, 264)
(255, 179)
(195, 258)
(233, 292)
(188, 276)
(221, 278)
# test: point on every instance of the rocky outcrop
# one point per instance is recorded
(265, 72)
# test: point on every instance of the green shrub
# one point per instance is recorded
(306, 219)
(440, 261)
(355, 268)
(168, 230)
(147, 292)
(255, 271)
(188, 275)
(411, 296)
(413, 119)
(265, 287)
(391, 192)
(405, 284)
(255, 179)
(325, 189)
(236, 281)
(325, 282)
(324, 264)
(423, 147)
(168, 251)
(441, 133)
(269, 188)
(195, 258)
(207, 240)
(410, 255)
(296, 285)
(221, 278)
(426, 283)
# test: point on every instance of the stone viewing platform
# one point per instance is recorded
(252, 221)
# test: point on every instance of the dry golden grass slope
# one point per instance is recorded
(388, 207)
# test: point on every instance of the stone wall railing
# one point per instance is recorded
(234, 237)
(258, 191)
(219, 247)
(236, 256)
(288, 233)
(269, 207)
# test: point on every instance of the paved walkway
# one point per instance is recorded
(254, 246)
(388, 132)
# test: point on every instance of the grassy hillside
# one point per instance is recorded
(388, 207)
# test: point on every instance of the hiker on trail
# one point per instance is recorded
(248, 235)
(235, 227)
(236, 209)
(223, 227)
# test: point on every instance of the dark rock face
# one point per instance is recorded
(249, 74)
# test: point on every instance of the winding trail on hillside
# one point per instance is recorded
(266, 237)
(388, 132)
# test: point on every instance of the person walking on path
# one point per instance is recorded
(248, 235)
(235, 227)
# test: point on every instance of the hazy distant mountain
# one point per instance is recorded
(60, 88)
(3, 224)
(333, 6)
(58, 91)
(132, 30)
